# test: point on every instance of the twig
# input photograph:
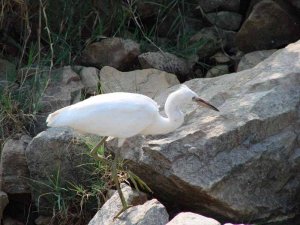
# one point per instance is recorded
(39, 33)
(49, 35)
(134, 17)
(27, 35)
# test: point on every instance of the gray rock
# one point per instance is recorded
(251, 59)
(150, 213)
(242, 163)
(268, 26)
(14, 172)
(217, 5)
(90, 79)
(220, 58)
(105, 216)
(189, 218)
(55, 155)
(115, 52)
(213, 39)
(3, 203)
(225, 20)
(149, 82)
(63, 89)
(217, 71)
(166, 62)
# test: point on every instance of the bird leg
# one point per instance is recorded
(94, 150)
(125, 206)
(114, 173)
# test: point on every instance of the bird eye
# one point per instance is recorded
(194, 98)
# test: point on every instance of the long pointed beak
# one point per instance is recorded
(204, 103)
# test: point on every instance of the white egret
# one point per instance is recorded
(123, 115)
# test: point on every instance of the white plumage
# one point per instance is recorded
(124, 115)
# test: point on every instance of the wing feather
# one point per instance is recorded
(116, 114)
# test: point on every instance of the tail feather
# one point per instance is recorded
(54, 119)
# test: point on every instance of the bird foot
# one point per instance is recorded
(122, 210)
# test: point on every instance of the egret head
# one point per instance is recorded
(187, 95)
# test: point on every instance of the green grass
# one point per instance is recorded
(77, 203)
(66, 30)
(20, 102)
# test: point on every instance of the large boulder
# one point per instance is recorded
(149, 82)
(268, 26)
(242, 163)
(116, 52)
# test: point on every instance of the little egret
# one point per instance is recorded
(123, 115)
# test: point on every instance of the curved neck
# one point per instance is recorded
(175, 116)
(174, 119)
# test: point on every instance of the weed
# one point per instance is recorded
(20, 101)
(68, 202)
(13, 117)
(76, 203)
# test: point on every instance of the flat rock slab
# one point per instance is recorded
(149, 82)
(241, 163)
